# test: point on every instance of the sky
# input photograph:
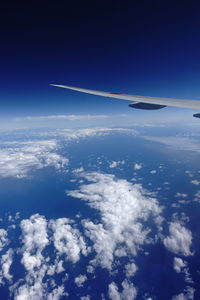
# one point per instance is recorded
(137, 47)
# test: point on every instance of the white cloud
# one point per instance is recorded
(129, 292)
(177, 143)
(76, 134)
(35, 239)
(3, 238)
(181, 195)
(180, 239)
(90, 269)
(86, 297)
(28, 291)
(130, 269)
(113, 292)
(57, 293)
(80, 280)
(153, 171)
(195, 182)
(179, 264)
(56, 267)
(122, 207)
(17, 159)
(68, 240)
(137, 166)
(6, 261)
(115, 164)
(188, 294)
(64, 117)
(197, 197)
(78, 170)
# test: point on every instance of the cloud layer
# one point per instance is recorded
(47, 248)
(17, 159)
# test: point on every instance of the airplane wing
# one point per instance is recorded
(141, 102)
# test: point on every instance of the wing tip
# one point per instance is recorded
(53, 84)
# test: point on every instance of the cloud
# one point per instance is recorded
(115, 164)
(35, 239)
(86, 297)
(68, 240)
(137, 166)
(17, 159)
(197, 197)
(153, 172)
(179, 264)
(122, 207)
(78, 170)
(180, 239)
(80, 280)
(57, 293)
(75, 134)
(188, 294)
(37, 235)
(130, 269)
(129, 292)
(6, 261)
(34, 285)
(176, 143)
(181, 195)
(113, 292)
(195, 182)
(64, 117)
(3, 238)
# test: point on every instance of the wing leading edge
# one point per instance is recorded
(142, 102)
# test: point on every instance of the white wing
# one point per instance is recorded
(152, 102)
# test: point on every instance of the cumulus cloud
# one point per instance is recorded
(122, 207)
(115, 164)
(130, 269)
(6, 261)
(56, 267)
(180, 239)
(153, 171)
(129, 292)
(113, 292)
(68, 240)
(57, 293)
(80, 280)
(17, 159)
(37, 234)
(78, 170)
(35, 239)
(86, 297)
(197, 197)
(181, 195)
(188, 294)
(3, 238)
(137, 166)
(179, 264)
(195, 182)
(33, 286)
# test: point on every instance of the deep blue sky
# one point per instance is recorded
(139, 47)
